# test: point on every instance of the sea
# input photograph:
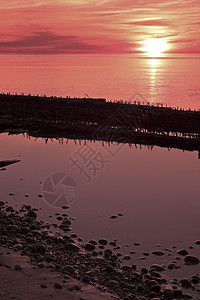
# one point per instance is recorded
(127, 193)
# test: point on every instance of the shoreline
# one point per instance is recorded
(100, 273)
(97, 119)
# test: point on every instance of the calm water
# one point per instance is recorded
(174, 82)
(157, 191)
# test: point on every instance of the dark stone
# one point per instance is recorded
(103, 242)
(158, 253)
(158, 267)
(182, 252)
(89, 247)
(18, 267)
(72, 247)
(86, 279)
(168, 293)
(32, 214)
(191, 260)
(185, 283)
(156, 288)
(57, 286)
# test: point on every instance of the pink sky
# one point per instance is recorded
(103, 26)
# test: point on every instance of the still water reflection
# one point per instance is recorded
(156, 191)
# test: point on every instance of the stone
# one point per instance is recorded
(157, 267)
(182, 252)
(156, 288)
(168, 293)
(93, 242)
(126, 257)
(113, 217)
(178, 294)
(18, 267)
(195, 279)
(68, 269)
(86, 279)
(191, 260)
(57, 286)
(186, 283)
(103, 242)
(144, 271)
(72, 247)
(152, 282)
(112, 283)
(32, 214)
(17, 247)
(40, 248)
(158, 253)
(89, 247)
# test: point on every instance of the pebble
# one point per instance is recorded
(103, 242)
(156, 288)
(186, 283)
(32, 214)
(136, 244)
(191, 260)
(41, 265)
(112, 283)
(65, 207)
(40, 248)
(72, 247)
(17, 247)
(113, 217)
(86, 279)
(195, 279)
(168, 293)
(93, 242)
(157, 267)
(158, 253)
(178, 294)
(145, 253)
(89, 247)
(144, 271)
(126, 257)
(18, 267)
(182, 252)
(57, 286)
(68, 269)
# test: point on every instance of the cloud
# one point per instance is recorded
(48, 42)
(153, 22)
(65, 26)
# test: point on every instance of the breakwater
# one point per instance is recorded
(97, 119)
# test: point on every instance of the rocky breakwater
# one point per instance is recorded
(72, 258)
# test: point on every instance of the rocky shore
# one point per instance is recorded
(78, 267)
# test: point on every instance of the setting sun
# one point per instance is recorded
(155, 47)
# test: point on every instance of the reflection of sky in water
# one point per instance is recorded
(174, 82)
(157, 191)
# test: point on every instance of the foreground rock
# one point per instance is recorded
(72, 259)
(4, 163)
(191, 260)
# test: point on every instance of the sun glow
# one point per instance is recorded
(155, 47)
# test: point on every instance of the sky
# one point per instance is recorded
(103, 26)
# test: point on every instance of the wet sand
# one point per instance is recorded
(31, 283)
